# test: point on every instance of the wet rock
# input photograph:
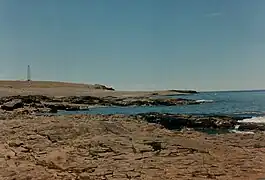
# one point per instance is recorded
(63, 107)
(42, 110)
(179, 121)
(14, 104)
(135, 101)
(151, 102)
(64, 103)
(72, 108)
(251, 126)
(82, 100)
(184, 91)
(173, 102)
(56, 106)
(53, 109)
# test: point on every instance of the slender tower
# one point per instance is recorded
(28, 74)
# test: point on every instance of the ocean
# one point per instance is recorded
(248, 104)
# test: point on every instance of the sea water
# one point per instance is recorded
(248, 104)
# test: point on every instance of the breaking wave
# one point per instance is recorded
(241, 132)
(204, 101)
(253, 120)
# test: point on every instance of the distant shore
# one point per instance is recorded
(49, 88)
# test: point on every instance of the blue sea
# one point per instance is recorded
(237, 103)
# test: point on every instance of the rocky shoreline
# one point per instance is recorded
(16, 105)
(201, 123)
(74, 103)
(149, 146)
(117, 147)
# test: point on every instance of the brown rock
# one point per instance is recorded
(57, 159)
(15, 143)
(11, 105)
(101, 147)
(131, 175)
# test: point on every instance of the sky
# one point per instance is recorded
(136, 44)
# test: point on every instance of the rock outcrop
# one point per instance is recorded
(184, 91)
(136, 101)
(27, 99)
(37, 103)
(103, 87)
(202, 123)
(89, 147)
(13, 104)
(74, 103)
(179, 121)
(247, 126)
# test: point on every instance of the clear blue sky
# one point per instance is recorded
(138, 44)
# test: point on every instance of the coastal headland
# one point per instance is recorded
(36, 143)
(51, 88)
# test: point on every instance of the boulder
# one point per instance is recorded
(11, 105)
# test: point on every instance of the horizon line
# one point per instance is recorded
(85, 83)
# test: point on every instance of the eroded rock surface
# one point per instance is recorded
(75, 103)
(116, 147)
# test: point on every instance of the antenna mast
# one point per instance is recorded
(28, 74)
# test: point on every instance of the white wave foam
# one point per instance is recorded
(236, 127)
(241, 132)
(250, 112)
(253, 120)
(203, 101)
